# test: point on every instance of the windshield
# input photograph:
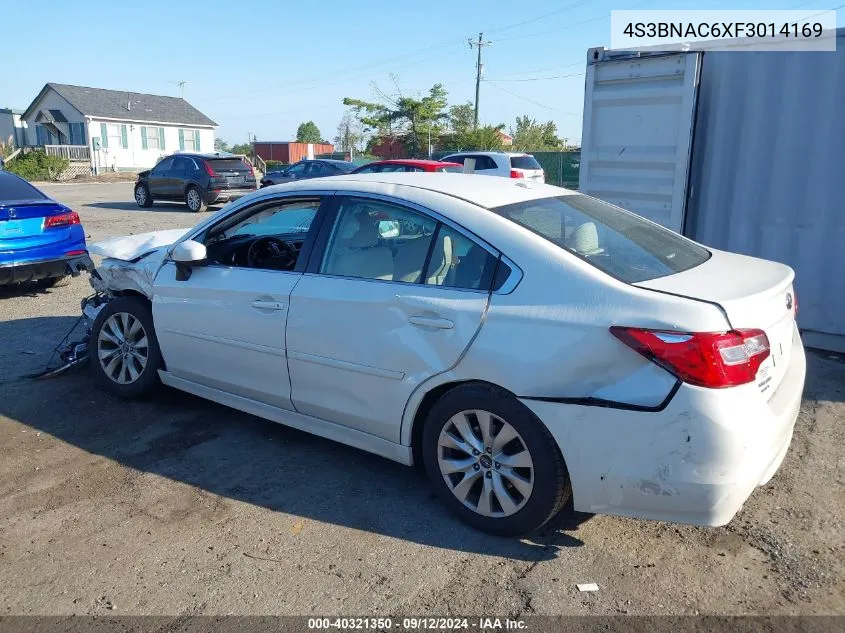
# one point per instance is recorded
(620, 243)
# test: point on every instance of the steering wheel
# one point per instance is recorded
(271, 252)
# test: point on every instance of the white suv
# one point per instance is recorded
(504, 164)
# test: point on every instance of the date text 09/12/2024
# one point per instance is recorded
(416, 624)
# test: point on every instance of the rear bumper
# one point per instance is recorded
(22, 271)
(697, 461)
(226, 195)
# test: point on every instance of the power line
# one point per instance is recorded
(574, 24)
(541, 78)
(540, 17)
(537, 103)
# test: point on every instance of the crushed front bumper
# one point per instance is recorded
(22, 271)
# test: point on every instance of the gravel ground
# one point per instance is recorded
(178, 506)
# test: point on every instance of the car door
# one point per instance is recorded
(183, 169)
(159, 179)
(383, 306)
(224, 326)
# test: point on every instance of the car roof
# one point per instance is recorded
(416, 162)
(327, 160)
(468, 152)
(485, 191)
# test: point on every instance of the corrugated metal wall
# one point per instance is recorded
(767, 175)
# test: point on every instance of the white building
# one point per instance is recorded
(11, 127)
(112, 129)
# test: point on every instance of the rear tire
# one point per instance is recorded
(193, 198)
(142, 196)
(523, 480)
(54, 282)
(124, 352)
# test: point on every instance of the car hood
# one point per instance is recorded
(131, 247)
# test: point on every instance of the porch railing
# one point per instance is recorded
(71, 152)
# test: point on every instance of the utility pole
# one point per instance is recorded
(479, 70)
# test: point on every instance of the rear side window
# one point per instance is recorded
(228, 164)
(524, 162)
(620, 243)
(484, 162)
(13, 189)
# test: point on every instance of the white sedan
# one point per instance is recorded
(530, 345)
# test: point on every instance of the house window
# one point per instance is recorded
(152, 137)
(189, 140)
(77, 133)
(113, 135)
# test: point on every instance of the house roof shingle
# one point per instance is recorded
(119, 104)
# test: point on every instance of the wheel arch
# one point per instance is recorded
(421, 403)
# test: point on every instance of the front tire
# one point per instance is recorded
(493, 462)
(193, 198)
(124, 352)
(142, 196)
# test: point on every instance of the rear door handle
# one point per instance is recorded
(435, 322)
(261, 304)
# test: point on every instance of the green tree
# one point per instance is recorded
(484, 139)
(412, 119)
(308, 132)
(350, 133)
(531, 135)
(220, 145)
(242, 148)
(461, 118)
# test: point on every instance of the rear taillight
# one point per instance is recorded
(517, 174)
(705, 359)
(209, 170)
(63, 219)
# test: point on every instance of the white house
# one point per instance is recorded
(115, 130)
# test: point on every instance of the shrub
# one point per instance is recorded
(275, 164)
(38, 166)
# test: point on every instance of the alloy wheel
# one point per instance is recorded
(123, 348)
(485, 463)
(140, 195)
(194, 199)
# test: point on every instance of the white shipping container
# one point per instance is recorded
(739, 150)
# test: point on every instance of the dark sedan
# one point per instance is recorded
(308, 169)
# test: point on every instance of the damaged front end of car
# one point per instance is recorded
(128, 267)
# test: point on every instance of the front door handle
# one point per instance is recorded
(261, 304)
(435, 322)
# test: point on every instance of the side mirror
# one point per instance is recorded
(187, 254)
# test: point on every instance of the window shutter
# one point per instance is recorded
(143, 137)
(181, 138)
(161, 138)
(123, 139)
(196, 140)
(104, 136)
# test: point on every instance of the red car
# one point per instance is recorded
(408, 164)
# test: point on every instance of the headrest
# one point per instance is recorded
(585, 239)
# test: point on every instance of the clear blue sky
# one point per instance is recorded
(263, 68)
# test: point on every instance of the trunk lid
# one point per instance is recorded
(22, 224)
(754, 293)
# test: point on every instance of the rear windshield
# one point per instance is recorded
(14, 189)
(620, 243)
(524, 162)
(452, 169)
(229, 164)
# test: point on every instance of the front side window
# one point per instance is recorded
(164, 166)
(372, 239)
(370, 169)
(618, 242)
(296, 170)
(268, 236)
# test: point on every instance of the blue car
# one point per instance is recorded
(40, 239)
